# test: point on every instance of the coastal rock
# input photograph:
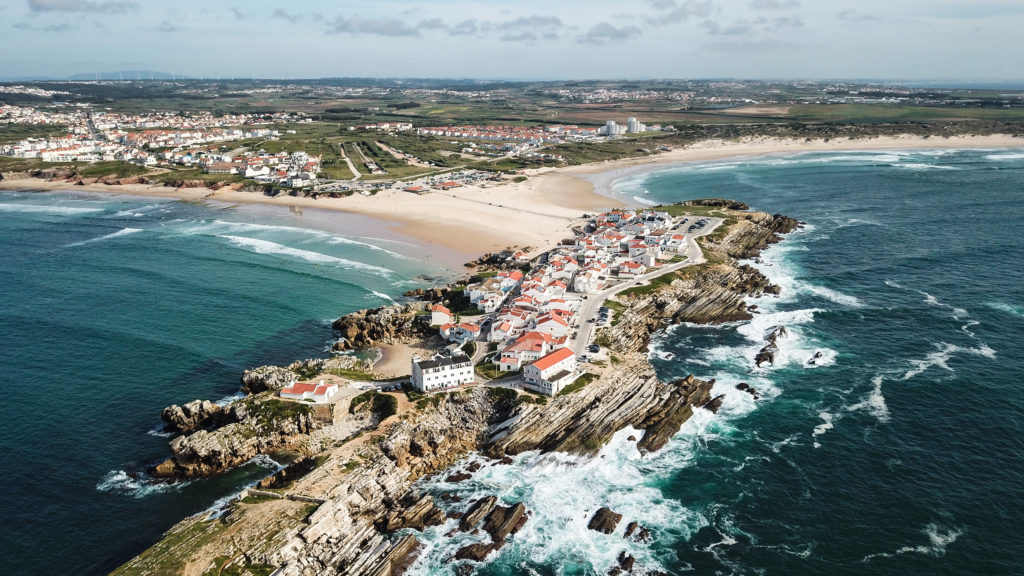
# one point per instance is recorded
(476, 552)
(714, 404)
(415, 513)
(458, 477)
(604, 520)
(193, 416)
(626, 563)
(637, 532)
(476, 513)
(387, 325)
(768, 352)
(266, 378)
(504, 520)
(263, 426)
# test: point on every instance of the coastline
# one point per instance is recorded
(537, 213)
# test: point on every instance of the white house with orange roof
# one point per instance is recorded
(553, 323)
(551, 373)
(439, 315)
(308, 391)
(527, 348)
(631, 269)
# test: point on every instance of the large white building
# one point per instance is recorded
(552, 373)
(441, 372)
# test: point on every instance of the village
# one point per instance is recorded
(533, 323)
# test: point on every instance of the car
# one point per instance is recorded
(594, 348)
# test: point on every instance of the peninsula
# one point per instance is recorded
(348, 502)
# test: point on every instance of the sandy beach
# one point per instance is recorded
(468, 221)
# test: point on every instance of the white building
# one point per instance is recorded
(441, 372)
(552, 373)
(439, 315)
(308, 391)
(633, 126)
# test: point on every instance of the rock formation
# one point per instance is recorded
(266, 378)
(195, 415)
(604, 520)
(387, 324)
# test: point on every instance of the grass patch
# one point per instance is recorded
(424, 404)
(271, 410)
(491, 371)
(653, 285)
(469, 348)
(237, 568)
(384, 405)
(357, 375)
(578, 384)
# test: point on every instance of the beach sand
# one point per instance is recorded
(466, 222)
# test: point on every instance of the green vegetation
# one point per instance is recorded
(432, 401)
(350, 465)
(268, 411)
(411, 393)
(258, 498)
(356, 375)
(502, 395)
(10, 133)
(491, 372)
(384, 405)
(653, 285)
(469, 348)
(578, 384)
(237, 567)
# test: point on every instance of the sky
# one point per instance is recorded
(900, 40)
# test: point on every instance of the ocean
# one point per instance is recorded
(115, 307)
(897, 451)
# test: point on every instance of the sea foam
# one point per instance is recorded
(272, 248)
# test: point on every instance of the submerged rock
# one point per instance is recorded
(604, 520)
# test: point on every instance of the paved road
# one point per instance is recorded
(590, 306)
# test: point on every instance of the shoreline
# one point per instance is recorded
(459, 225)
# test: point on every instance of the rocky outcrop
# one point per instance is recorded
(625, 566)
(266, 378)
(412, 512)
(771, 347)
(387, 325)
(477, 512)
(195, 415)
(581, 423)
(715, 404)
(604, 520)
(262, 426)
(504, 520)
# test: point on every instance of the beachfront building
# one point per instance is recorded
(439, 315)
(320, 392)
(441, 372)
(550, 374)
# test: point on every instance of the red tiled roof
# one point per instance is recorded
(553, 358)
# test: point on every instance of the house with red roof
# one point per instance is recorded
(551, 373)
(308, 391)
(439, 315)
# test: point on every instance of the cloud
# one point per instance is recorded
(239, 15)
(604, 32)
(750, 46)
(433, 24)
(677, 13)
(80, 6)
(374, 26)
(282, 15)
(530, 28)
(465, 28)
(65, 27)
(785, 22)
(167, 26)
(773, 4)
(852, 15)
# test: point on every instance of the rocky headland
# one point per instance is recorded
(353, 507)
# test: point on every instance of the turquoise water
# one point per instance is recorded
(899, 451)
(113, 309)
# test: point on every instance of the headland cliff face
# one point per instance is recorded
(357, 511)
